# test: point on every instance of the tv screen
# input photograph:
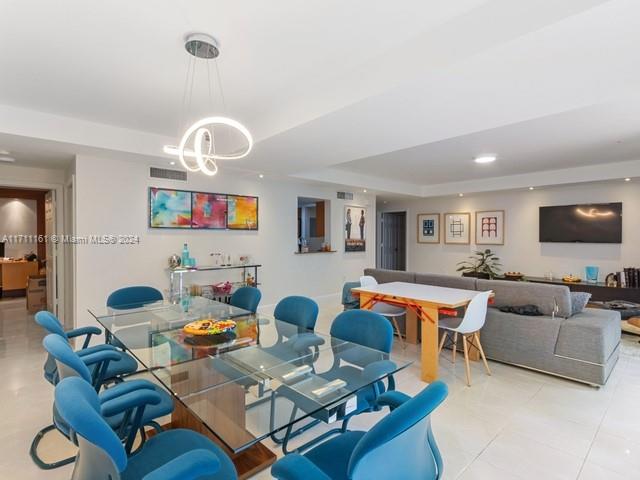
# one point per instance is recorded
(588, 223)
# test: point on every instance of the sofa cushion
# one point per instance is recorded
(509, 293)
(387, 276)
(449, 281)
(529, 341)
(590, 336)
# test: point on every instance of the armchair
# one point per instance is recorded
(127, 407)
(124, 364)
(175, 454)
(401, 445)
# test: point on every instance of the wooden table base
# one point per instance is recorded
(248, 462)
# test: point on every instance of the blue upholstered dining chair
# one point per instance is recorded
(370, 330)
(401, 445)
(353, 365)
(125, 298)
(247, 298)
(127, 407)
(124, 364)
(174, 454)
(297, 320)
(133, 297)
(349, 301)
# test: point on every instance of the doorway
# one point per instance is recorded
(29, 268)
(393, 244)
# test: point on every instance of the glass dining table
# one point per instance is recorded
(252, 383)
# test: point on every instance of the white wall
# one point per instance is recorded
(112, 198)
(522, 251)
(18, 217)
(15, 175)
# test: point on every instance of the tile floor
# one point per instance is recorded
(516, 424)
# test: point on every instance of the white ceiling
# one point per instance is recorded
(605, 133)
(396, 96)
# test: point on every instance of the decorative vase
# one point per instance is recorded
(591, 274)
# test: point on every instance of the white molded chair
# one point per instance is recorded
(469, 328)
(389, 311)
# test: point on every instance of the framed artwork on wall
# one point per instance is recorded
(169, 208)
(242, 212)
(209, 210)
(490, 227)
(457, 228)
(355, 220)
(428, 228)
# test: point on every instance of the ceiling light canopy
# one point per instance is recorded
(198, 149)
(485, 159)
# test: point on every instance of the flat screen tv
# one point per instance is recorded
(588, 223)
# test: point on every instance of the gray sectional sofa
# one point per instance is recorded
(582, 347)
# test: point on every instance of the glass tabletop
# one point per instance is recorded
(255, 381)
(244, 408)
(155, 334)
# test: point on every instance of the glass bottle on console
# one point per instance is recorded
(185, 255)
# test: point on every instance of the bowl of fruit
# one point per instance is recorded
(209, 327)
(514, 275)
(571, 278)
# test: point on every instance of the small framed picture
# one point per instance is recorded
(457, 228)
(428, 228)
(490, 227)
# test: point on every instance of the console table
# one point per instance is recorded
(599, 291)
(176, 275)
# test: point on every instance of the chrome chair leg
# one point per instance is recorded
(33, 451)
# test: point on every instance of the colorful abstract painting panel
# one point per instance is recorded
(209, 210)
(169, 208)
(242, 212)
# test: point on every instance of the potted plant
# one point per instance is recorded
(482, 264)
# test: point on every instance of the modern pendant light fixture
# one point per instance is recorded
(197, 150)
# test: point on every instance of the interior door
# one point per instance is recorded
(393, 248)
(52, 251)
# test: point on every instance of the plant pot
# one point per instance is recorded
(484, 276)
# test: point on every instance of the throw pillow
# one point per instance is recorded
(529, 310)
(579, 300)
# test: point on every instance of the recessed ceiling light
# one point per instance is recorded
(261, 175)
(485, 159)
(364, 191)
(7, 159)
(627, 179)
(5, 152)
(172, 163)
(461, 194)
(530, 188)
